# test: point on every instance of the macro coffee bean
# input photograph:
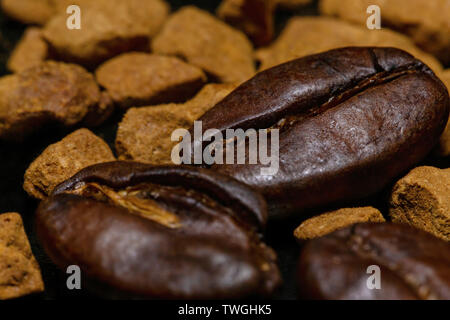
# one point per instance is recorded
(350, 121)
(375, 261)
(169, 232)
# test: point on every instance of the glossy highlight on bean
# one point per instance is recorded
(351, 120)
(411, 264)
(167, 232)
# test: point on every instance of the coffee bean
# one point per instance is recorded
(412, 264)
(160, 232)
(351, 120)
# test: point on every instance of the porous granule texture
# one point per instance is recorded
(203, 40)
(303, 36)
(422, 199)
(145, 133)
(30, 51)
(51, 92)
(136, 79)
(330, 221)
(108, 28)
(63, 159)
(19, 271)
(29, 11)
(424, 22)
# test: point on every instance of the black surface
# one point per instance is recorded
(15, 159)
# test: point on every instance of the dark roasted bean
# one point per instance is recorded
(160, 232)
(351, 120)
(412, 264)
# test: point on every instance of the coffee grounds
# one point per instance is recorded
(331, 221)
(422, 199)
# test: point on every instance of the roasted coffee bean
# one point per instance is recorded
(412, 264)
(350, 121)
(160, 232)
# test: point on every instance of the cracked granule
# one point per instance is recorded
(145, 133)
(62, 160)
(221, 51)
(136, 79)
(422, 199)
(19, 271)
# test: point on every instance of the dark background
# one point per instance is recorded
(15, 159)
